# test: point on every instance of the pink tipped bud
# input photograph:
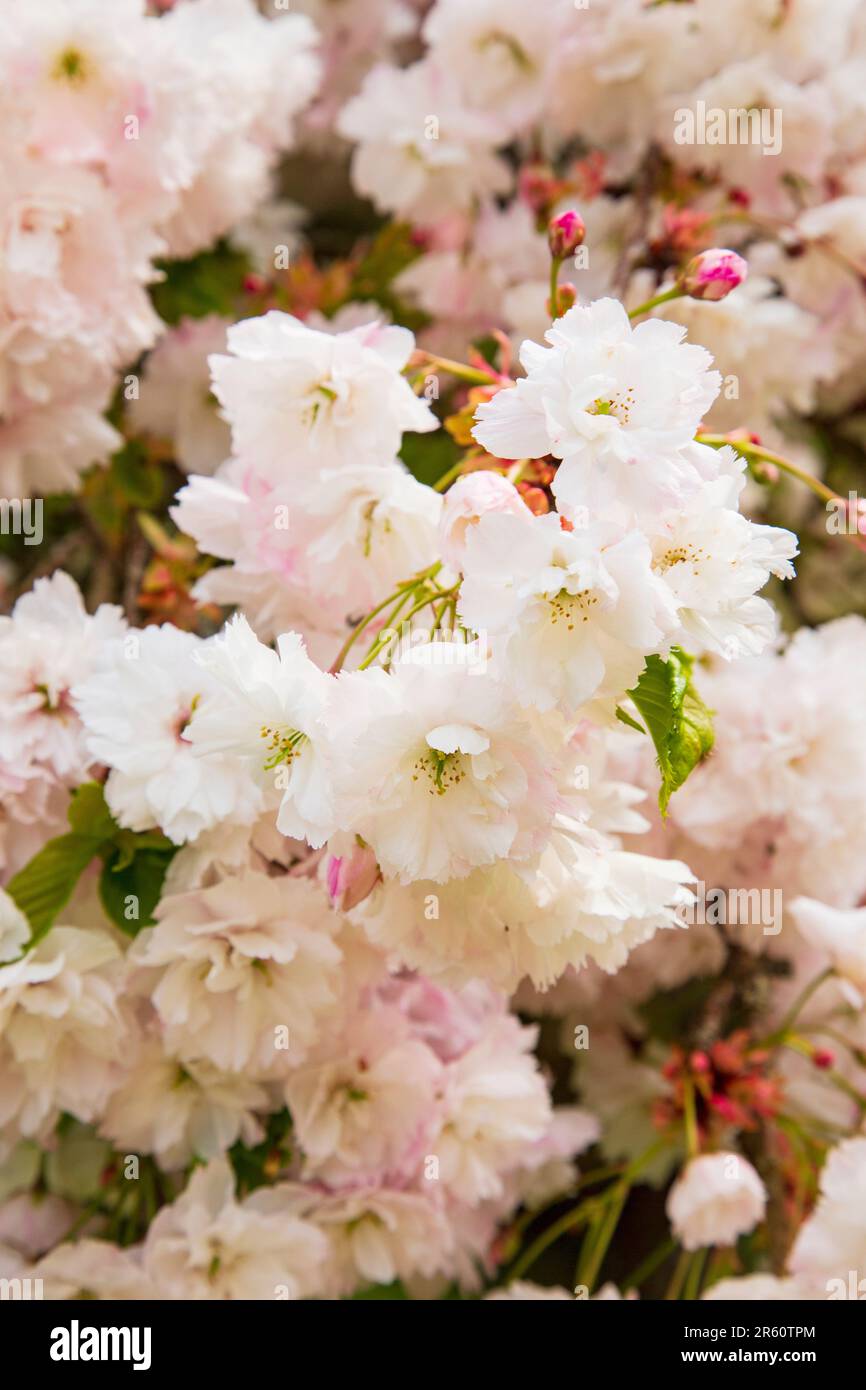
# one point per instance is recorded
(823, 1058)
(713, 274)
(565, 233)
(351, 877)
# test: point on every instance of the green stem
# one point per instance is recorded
(614, 1170)
(87, 1214)
(692, 1287)
(595, 1175)
(448, 478)
(365, 622)
(663, 298)
(775, 226)
(675, 1287)
(555, 263)
(841, 1041)
(806, 1049)
(381, 643)
(585, 1210)
(650, 1264)
(572, 1218)
(756, 452)
(797, 1007)
(461, 370)
(606, 1233)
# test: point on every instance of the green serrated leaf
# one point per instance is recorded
(133, 883)
(132, 864)
(678, 721)
(45, 885)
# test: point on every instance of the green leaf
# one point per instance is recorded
(379, 1291)
(678, 721)
(429, 456)
(205, 284)
(133, 874)
(141, 482)
(74, 1167)
(45, 885)
(151, 839)
(393, 250)
(133, 864)
(671, 1015)
(89, 814)
(256, 1166)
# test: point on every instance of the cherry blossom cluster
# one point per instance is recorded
(119, 149)
(693, 118)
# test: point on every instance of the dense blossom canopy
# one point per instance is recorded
(432, 771)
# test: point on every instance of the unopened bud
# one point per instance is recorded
(566, 298)
(713, 274)
(565, 233)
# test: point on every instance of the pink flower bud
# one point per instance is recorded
(713, 274)
(469, 498)
(565, 233)
(351, 877)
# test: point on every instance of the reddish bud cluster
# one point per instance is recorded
(540, 189)
(684, 231)
(729, 1082)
